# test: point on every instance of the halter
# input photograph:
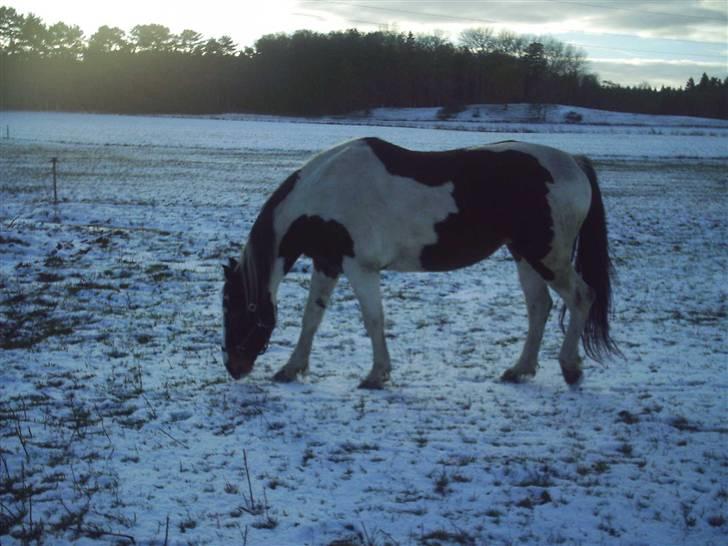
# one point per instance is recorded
(249, 273)
(259, 325)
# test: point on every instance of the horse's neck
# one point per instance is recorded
(262, 272)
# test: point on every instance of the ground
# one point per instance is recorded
(119, 424)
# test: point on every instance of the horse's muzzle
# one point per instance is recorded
(237, 365)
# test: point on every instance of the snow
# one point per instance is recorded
(544, 115)
(119, 422)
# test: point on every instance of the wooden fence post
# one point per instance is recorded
(54, 161)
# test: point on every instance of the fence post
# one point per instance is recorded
(54, 161)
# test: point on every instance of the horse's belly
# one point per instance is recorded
(441, 256)
(438, 259)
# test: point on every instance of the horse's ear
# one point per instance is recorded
(233, 263)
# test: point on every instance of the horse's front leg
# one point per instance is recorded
(318, 299)
(365, 283)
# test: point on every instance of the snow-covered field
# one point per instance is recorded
(118, 422)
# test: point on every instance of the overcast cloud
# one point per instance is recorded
(628, 41)
(681, 19)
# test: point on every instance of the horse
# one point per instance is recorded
(367, 205)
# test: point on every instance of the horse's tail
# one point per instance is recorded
(593, 263)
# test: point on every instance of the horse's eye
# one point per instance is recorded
(252, 307)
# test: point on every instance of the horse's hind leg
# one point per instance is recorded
(318, 299)
(578, 297)
(365, 284)
(538, 303)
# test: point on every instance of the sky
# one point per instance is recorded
(629, 42)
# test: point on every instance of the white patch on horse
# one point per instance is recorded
(389, 218)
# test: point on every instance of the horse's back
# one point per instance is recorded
(411, 210)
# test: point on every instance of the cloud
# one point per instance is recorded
(673, 62)
(672, 20)
(706, 20)
(637, 31)
(656, 72)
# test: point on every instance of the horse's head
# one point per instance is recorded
(247, 323)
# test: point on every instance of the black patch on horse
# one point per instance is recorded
(326, 242)
(500, 196)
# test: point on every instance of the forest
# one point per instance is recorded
(149, 69)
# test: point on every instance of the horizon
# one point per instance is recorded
(640, 42)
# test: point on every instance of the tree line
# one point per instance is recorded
(152, 70)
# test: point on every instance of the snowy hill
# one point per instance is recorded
(516, 118)
(479, 114)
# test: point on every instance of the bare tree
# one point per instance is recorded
(511, 43)
(563, 59)
(433, 41)
(478, 40)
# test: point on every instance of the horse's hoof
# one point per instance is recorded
(371, 384)
(282, 376)
(573, 377)
(512, 376)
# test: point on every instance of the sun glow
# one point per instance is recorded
(244, 21)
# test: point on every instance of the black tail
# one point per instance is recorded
(593, 263)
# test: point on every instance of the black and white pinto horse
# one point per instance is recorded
(368, 205)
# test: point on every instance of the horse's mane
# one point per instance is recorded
(250, 273)
(259, 253)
